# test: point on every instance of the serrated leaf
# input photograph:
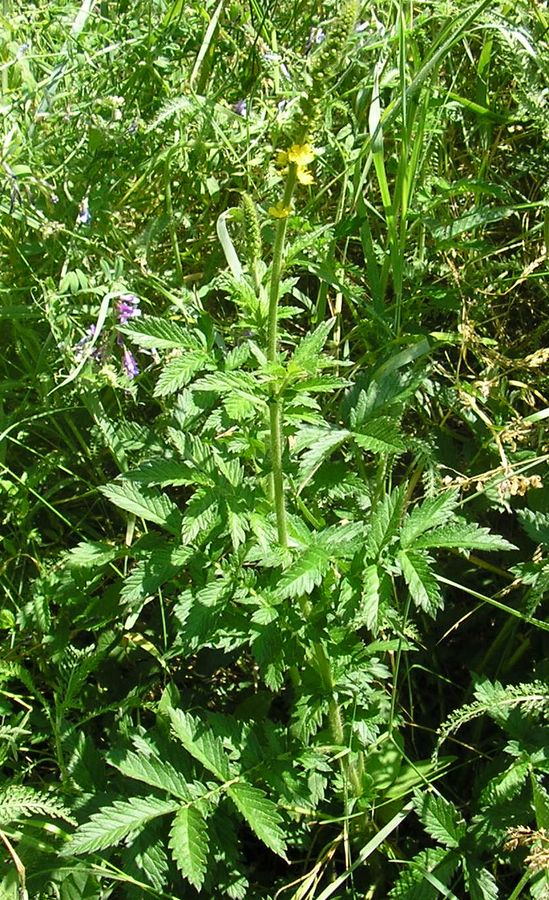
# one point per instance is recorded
(19, 801)
(306, 355)
(342, 540)
(422, 876)
(144, 502)
(440, 818)
(322, 442)
(507, 785)
(165, 472)
(421, 581)
(536, 525)
(201, 743)
(189, 843)
(145, 858)
(260, 813)
(149, 574)
(264, 615)
(480, 882)
(178, 372)
(150, 770)
(112, 824)
(304, 574)
(91, 553)
(385, 522)
(432, 513)
(463, 535)
(201, 513)
(368, 611)
(159, 334)
(475, 218)
(320, 385)
(381, 435)
(241, 384)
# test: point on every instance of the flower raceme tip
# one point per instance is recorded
(299, 155)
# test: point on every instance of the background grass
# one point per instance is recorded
(425, 237)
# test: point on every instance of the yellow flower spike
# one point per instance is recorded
(301, 154)
(279, 211)
(282, 158)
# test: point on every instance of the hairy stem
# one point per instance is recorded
(351, 772)
(275, 407)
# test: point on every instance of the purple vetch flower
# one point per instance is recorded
(79, 348)
(240, 108)
(127, 307)
(22, 49)
(130, 365)
(276, 57)
(84, 215)
(316, 36)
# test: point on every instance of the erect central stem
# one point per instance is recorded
(275, 405)
(335, 718)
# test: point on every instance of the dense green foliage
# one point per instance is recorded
(273, 396)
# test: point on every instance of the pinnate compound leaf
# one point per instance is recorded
(152, 771)
(260, 813)
(463, 535)
(305, 573)
(112, 824)
(189, 843)
(202, 745)
(440, 818)
(144, 502)
(421, 581)
(433, 513)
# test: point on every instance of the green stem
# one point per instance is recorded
(276, 269)
(351, 772)
(275, 412)
(275, 406)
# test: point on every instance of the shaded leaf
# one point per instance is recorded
(421, 581)
(440, 818)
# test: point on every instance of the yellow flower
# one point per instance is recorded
(304, 176)
(279, 211)
(301, 154)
